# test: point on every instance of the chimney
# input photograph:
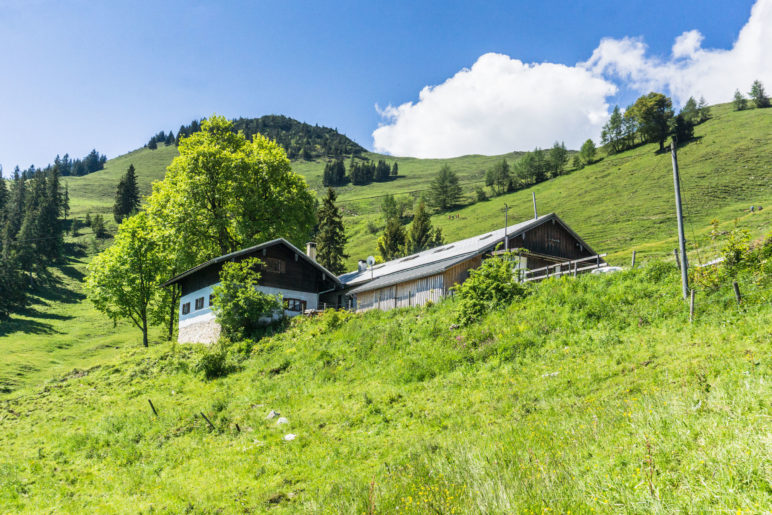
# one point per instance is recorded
(311, 250)
(362, 265)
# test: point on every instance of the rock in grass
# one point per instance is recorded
(282, 420)
(272, 414)
(289, 437)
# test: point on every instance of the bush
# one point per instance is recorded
(215, 361)
(491, 286)
(481, 195)
(241, 309)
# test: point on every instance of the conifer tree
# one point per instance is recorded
(331, 239)
(391, 244)
(758, 94)
(394, 169)
(445, 191)
(422, 235)
(126, 196)
(704, 110)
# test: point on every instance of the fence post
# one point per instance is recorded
(677, 259)
(737, 292)
(632, 265)
(691, 307)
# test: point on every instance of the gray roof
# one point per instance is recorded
(412, 273)
(470, 246)
(247, 251)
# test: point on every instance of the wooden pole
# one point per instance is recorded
(681, 239)
(632, 265)
(677, 260)
(691, 307)
(533, 197)
(207, 420)
(506, 223)
(737, 292)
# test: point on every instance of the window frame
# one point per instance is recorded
(292, 304)
(199, 303)
(186, 308)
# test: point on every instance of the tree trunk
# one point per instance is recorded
(144, 332)
(172, 311)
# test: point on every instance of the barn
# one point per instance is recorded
(542, 243)
(286, 270)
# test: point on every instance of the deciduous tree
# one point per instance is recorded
(123, 281)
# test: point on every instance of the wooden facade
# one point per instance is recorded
(544, 242)
(282, 268)
(416, 292)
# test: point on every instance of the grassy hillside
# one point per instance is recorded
(592, 394)
(621, 203)
(624, 201)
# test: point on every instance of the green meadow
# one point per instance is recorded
(592, 394)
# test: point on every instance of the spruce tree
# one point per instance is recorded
(126, 196)
(758, 94)
(445, 191)
(331, 239)
(422, 235)
(395, 170)
(391, 244)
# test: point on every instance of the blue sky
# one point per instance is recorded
(107, 75)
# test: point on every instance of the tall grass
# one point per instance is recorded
(591, 394)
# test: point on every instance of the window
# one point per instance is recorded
(211, 299)
(186, 308)
(276, 266)
(200, 303)
(295, 305)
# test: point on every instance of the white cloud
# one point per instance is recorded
(693, 70)
(501, 104)
(498, 105)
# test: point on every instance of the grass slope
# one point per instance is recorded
(593, 394)
(621, 203)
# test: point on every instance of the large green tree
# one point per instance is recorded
(612, 134)
(223, 193)
(331, 239)
(445, 191)
(123, 281)
(653, 113)
(740, 103)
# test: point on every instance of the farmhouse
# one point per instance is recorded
(286, 270)
(543, 244)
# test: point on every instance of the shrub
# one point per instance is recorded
(215, 361)
(241, 309)
(491, 286)
(481, 195)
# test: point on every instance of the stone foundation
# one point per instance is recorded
(200, 332)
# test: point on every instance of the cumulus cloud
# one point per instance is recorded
(693, 70)
(498, 105)
(501, 104)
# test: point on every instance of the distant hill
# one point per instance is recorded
(299, 139)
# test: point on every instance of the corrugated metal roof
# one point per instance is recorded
(412, 273)
(474, 245)
(251, 250)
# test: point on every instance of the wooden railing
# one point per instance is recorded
(574, 267)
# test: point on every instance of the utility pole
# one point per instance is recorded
(535, 214)
(679, 214)
(506, 224)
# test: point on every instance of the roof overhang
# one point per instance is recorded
(251, 250)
